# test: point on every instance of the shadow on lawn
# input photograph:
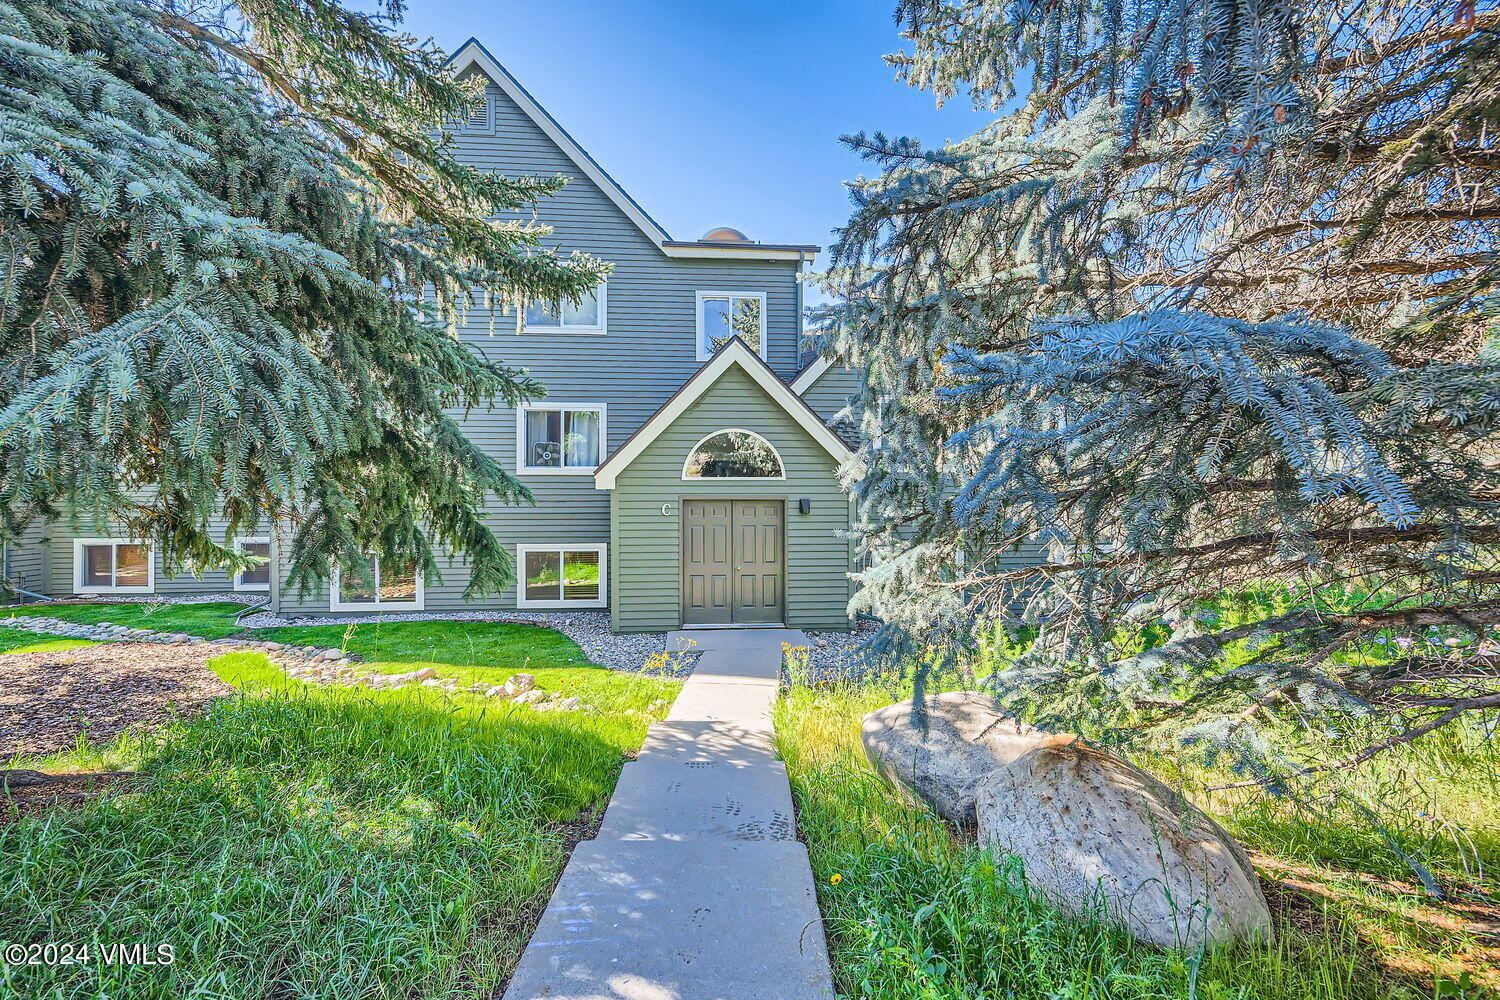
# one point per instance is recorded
(301, 841)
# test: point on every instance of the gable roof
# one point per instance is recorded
(810, 374)
(475, 55)
(735, 353)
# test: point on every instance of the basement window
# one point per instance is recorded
(257, 577)
(561, 576)
(106, 566)
(376, 585)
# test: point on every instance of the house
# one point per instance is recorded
(682, 464)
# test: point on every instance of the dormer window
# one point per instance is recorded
(587, 315)
(725, 315)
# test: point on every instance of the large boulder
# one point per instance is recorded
(1097, 835)
(939, 761)
(1100, 836)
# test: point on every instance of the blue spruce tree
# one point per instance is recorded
(1209, 309)
(233, 244)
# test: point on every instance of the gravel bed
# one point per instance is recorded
(49, 699)
(237, 597)
(834, 656)
(590, 629)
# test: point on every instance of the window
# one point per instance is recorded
(377, 586)
(733, 454)
(585, 316)
(105, 566)
(723, 315)
(566, 439)
(257, 577)
(561, 576)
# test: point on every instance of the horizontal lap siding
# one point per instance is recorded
(648, 352)
(646, 570)
(26, 563)
(59, 537)
(830, 393)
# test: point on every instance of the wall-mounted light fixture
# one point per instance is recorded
(805, 505)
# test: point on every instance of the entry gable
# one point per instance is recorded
(735, 355)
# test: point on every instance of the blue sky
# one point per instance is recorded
(711, 113)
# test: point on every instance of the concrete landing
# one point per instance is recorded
(695, 888)
(701, 920)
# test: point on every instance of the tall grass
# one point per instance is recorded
(917, 913)
(303, 841)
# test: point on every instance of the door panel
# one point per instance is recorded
(706, 565)
(758, 569)
(732, 572)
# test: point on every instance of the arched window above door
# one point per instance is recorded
(733, 453)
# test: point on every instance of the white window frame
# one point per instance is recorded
(597, 547)
(595, 329)
(732, 479)
(239, 546)
(562, 470)
(334, 604)
(79, 568)
(703, 353)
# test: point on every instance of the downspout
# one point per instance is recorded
(801, 321)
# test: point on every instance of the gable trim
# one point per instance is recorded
(735, 353)
(810, 374)
(473, 53)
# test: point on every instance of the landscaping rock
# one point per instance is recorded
(1094, 830)
(498, 691)
(964, 740)
(1097, 835)
(520, 683)
(531, 697)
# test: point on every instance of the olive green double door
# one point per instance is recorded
(733, 562)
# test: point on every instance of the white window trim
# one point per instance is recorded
(334, 604)
(79, 587)
(563, 470)
(732, 479)
(239, 546)
(593, 329)
(703, 353)
(600, 548)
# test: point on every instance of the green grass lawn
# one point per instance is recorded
(920, 914)
(212, 620)
(14, 640)
(308, 841)
(473, 651)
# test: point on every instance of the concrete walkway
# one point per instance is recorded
(696, 887)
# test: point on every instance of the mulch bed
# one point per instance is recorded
(48, 699)
(35, 795)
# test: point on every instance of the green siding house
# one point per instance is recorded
(682, 462)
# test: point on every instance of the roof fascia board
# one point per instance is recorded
(734, 353)
(749, 251)
(810, 374)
